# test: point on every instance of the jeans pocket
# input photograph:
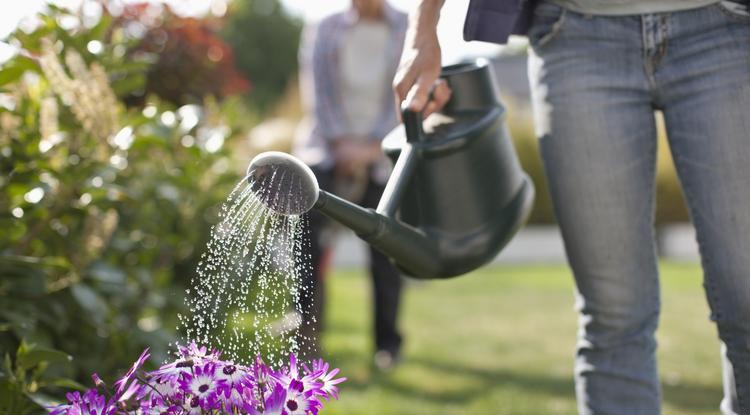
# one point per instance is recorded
(735, 9)
(546, 23)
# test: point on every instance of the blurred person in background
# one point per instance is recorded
(347, 62)
(598, 71)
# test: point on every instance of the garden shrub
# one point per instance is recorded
(104, 208)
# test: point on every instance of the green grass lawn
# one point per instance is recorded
(501, 341)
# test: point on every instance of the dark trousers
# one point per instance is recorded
(386, 279)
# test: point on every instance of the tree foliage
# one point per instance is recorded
(189, 60)
(265, 40)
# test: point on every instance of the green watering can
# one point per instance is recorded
(457, 193)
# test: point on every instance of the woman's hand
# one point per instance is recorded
(416, 84)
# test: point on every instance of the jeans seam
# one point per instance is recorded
(710, 286)
(648, 67)
(652, 203)
(664, 29)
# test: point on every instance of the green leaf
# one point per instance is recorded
(15, 68)
(27, 275)
(21, 318)
(49, 261)
(128, 84)
(12, 399)
(137, 68)
(90, 301)
(32, 41)
(42, 400)
(107, 273)
(145, 142)
(98, 31)
(31, 284)
(66, 383)
(8, 368)
(29, 356)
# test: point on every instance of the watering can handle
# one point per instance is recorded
(413, 124)
(404, 167)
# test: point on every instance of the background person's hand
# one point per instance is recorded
(355, 154)
(416, 83)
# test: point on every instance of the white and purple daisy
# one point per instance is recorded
(192, 407)
(232, 376)
(325, 379)
(192, 350)
(298, 403)
(172, 372)
(272, 405)
(292, 378)
(202, 385)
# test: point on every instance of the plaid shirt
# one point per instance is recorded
(320, 84)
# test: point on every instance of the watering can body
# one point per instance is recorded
(457, 194)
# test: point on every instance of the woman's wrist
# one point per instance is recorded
(425, 17)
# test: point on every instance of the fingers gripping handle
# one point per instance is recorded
(413, 124)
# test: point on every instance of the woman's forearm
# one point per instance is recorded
(425, 16)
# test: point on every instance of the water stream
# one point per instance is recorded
(244, 297)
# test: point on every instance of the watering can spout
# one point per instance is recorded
(456, 196)
(288, 187)
(407, 246)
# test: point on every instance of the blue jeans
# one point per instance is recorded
(596, 82)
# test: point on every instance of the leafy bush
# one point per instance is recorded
(35, 370)
(190, 61)
(104, 209)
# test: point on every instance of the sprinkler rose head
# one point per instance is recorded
(283, 183)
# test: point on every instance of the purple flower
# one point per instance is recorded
(233, 398)
(193, 350)
(299, 403)
(190, 356)
(230, 373)
(125, 387)
(201, 385)
(292, 378)
(163, 410)
(231, 381)
(262, 380)
(325, 379)
(164, 391)
(272, 405)
(171, 372)
(260, 371)
(59, 410)
(193, 407)
(91, 403)
(98, 382)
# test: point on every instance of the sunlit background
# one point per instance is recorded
(449, 31)
(122, 133)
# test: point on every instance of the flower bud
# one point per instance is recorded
(98, 381)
